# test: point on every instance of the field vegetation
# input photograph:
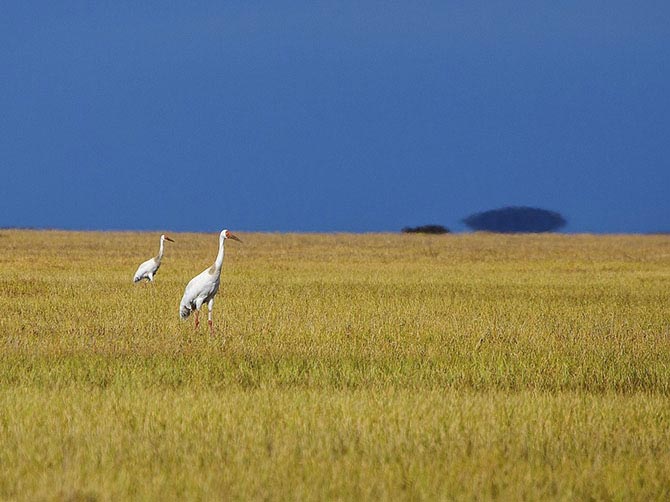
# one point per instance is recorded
(395, 367)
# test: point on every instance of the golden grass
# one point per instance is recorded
(344, 366)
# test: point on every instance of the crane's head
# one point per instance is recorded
(226, 234)
(166, 238)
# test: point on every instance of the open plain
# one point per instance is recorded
(377, 366)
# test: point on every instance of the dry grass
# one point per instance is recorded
(344, 366)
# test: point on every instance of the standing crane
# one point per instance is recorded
(148, 269)
(204, 286)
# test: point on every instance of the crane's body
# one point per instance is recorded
(147, 270)
(204, 286)
(201, 289)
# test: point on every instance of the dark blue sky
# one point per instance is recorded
(333, 116)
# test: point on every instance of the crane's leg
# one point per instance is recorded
(210, 306)
(197, 321)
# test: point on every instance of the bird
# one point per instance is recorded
(204, 286)
(148, 269)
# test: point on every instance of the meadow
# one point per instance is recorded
(343, 367)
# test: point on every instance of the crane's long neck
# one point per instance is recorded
(160, 251)
(219, 257)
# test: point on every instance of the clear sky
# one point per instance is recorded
(333, 116)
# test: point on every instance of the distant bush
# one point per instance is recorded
(426, 229)
(516, 219)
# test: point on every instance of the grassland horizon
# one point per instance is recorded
(344, 366)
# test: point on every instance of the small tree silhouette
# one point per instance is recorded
(426, 229)
(516, 219)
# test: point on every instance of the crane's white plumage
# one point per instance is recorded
(204, 286)
(148, 269)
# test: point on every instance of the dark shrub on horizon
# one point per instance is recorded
(426, 229)
(516, 220)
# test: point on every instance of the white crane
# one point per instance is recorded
(204, 286)
(148, 269)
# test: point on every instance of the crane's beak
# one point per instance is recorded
(168, 239)
(234, 237)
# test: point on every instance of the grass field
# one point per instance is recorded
(395, 367)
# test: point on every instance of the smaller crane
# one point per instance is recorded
(204, 286)
(148, 269)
